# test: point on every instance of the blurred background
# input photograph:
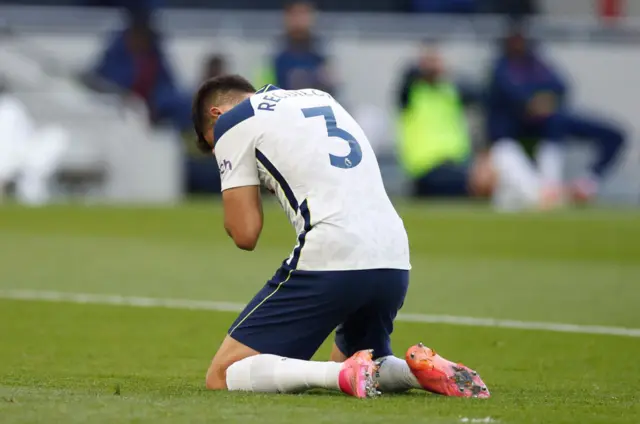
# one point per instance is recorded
(506, 104)
(524, 103)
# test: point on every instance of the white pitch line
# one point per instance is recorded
(205, 305)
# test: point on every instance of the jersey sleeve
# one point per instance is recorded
(236, 156)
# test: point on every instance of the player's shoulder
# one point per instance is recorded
(248, 113)
(241, 115)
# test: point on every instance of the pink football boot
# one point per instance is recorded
(357, 375)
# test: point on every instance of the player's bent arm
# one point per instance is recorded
(243, 215)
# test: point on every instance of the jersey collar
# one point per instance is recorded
(267, 88)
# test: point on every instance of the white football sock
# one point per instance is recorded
(515, 171)
(277, 374)
(550, 162)
(394, 375)
(507, 198)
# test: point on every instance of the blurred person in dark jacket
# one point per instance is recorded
(202, 174)
(147, 4)
(435, 146)
(134, 61)
(442, 6)
(527, 100)
(215, 65)
(514, 8)
(299, 61)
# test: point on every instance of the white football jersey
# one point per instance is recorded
(304, 146)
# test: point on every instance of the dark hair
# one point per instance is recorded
(214, 91)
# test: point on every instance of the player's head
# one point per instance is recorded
(515, 43)
(215, 97)
(140, 33)
(431, 63)
(215, 66)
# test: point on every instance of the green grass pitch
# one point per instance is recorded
(84, 363)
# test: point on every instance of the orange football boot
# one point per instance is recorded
(438, 375)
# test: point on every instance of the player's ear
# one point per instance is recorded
(215, 112)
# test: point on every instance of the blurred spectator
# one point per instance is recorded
(527, 101)
(215, 65)
(134, 61)
(435, 145)
(30, 154)
(299, 63)
(513, 8)
(202, 175)
(142, 4)
(442, 6)
(610, 11)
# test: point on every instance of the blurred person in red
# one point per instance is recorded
(299, 61)
(134, 62)
(435, 146)
(527, 102)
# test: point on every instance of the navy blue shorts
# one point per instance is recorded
(293, 318)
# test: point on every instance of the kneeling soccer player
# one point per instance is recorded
(350, 267)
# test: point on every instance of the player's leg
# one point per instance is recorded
(550, 150)
(451, 179)
(518, 183)
(422, 368)
(336, 354)
(269, 345)
(372, 325)
(607, 138)
(237, 367)
(393, 376)
(482, 176)
(229, 352)
(448, 179)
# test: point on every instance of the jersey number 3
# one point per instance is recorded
(355, 154)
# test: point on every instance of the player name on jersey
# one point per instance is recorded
(271, 100)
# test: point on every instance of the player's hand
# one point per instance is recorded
(542, 105)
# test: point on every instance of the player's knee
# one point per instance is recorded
(216, 378)
(229, 353)
(483, 178)
(337, 355)
(617, 138)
